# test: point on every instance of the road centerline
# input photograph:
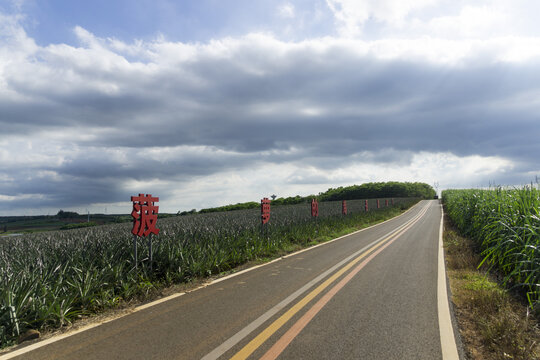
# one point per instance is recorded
(291, 334)
(278, 323)
(240, 335)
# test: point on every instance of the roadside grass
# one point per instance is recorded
(494, 322)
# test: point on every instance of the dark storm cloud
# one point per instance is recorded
(139, 166)
(53, 192)
(231, 105)
(91, 176)
(409, 106)
(365, 102)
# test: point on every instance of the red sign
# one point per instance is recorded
(314, 208)
(265, 210)
(145, 215)
(386, 202)
(366, 206)
(378, 204)
(344, 207)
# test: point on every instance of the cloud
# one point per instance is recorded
(352, 15)
(479, 20)
(432, 167)
(286, 10)
(94, 122)
(442, 19)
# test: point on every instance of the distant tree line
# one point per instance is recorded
(365, 191)
(66, 214)
(239, 206)
(379, 190)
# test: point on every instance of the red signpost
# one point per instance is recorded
(265, 210)
(366, 206)
(144, 214)
(314, 208)
(386, 202)
(344, 207)
(378, 204)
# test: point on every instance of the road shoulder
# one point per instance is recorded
(493, 323)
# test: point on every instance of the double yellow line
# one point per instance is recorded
(283, 319)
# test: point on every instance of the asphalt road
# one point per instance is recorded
(369, 295)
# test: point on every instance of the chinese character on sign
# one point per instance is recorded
(144, 214)
(344, 207)
(314, 208)
(265, 210)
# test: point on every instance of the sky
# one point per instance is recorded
(211, 102)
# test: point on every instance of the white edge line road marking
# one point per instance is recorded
(446, 331)
(53, 339)
(236, 338)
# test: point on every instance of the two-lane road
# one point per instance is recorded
(379, 293)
